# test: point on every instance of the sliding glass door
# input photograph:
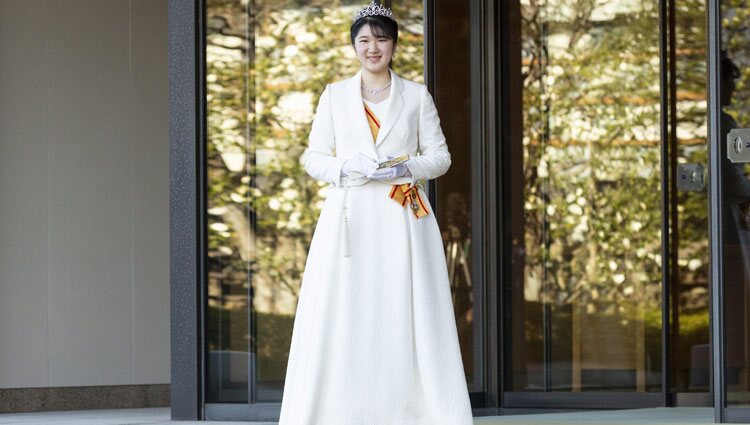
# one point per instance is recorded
(606, 229)
(266, 64)
(730, 197)
(587, 294)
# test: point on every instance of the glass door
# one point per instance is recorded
(267, 62)
(587, 232)
(607, 232)
(686, 142)
(729, 60)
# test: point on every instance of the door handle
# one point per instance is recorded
(691, 177)
(738, 145)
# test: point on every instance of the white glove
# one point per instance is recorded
(359, 163)
(390, 172)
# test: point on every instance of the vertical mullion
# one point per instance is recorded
(186, 211)
(202, 190)
(249, 94)
(673, 285)
(494, 262)
(428, 28)
(715, 212)
(483, 359)
(493, 180)
(507, 123)
(664, 81)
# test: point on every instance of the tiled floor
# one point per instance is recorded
(668, 416)
(661, 415)
(93, 417)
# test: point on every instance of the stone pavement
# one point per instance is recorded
(160, 416)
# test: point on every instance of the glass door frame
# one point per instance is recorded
(507, 18)
(722, 412)
(491, 92)
(188, 210)
(715, 211)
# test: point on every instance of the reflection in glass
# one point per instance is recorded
(267, 63)
(689, 339)
(586, 175)
(230, 245)
(454, 189)
(735, 103)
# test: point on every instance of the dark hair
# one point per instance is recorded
(380, 27)
(728, 68)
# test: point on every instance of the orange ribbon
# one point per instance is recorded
(373, 122)
(408, 196)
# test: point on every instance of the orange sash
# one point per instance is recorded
(405, 194)
(373, 121)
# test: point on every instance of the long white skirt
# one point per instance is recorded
(374, 340)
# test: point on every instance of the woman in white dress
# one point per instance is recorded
(374, 340)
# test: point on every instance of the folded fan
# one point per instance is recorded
(393, 161)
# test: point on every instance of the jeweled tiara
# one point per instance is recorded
(373, 9)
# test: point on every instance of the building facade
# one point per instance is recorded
(597, 254)
(84, 180)
(594, 218)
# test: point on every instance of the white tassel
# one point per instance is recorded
(345, 237)
(345, 229)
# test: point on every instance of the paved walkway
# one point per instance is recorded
(661, 416)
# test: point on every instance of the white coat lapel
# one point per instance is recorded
(358, 121)
(397, 104)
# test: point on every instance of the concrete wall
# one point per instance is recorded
(84, 193)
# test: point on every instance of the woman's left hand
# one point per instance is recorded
(390, 172)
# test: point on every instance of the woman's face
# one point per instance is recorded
(374, 53)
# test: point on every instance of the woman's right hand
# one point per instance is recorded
(359, 163)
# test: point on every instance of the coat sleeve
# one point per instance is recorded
(319, 159)
(434, 158)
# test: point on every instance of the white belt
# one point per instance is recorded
(359, 181)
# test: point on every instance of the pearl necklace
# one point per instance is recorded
(376, 91)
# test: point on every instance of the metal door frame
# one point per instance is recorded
(508, 30)
(186, 208)
(722, 412)
(188, 127)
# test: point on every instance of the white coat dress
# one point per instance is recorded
(374, 340)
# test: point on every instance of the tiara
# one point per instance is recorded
(373, 9)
